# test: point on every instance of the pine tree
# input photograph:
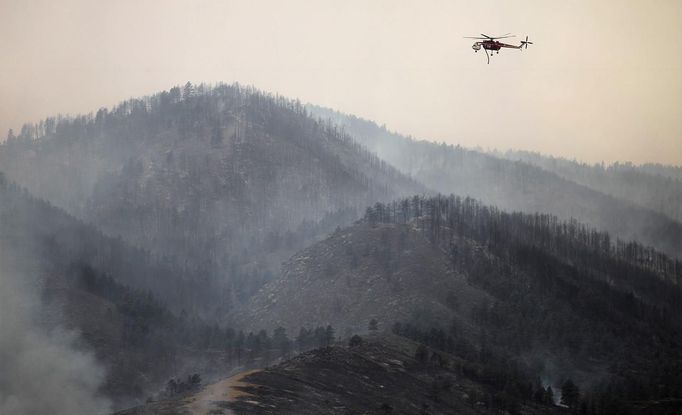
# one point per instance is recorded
(355, 341)
(320, 336)
(329, 335)
(281, 341)
(570, 394)
(188, 90)
(303, 339)
(373, 325)
(421, 354)
(549, 396)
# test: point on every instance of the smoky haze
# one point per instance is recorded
(600, 83)
(42, 370)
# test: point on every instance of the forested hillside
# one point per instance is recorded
(47, 240)
(656, 189)
(156, 231)
(560, 298)
(116, 300)
(565, 289)
(517, 185)
(226, 180)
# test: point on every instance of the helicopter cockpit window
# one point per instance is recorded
(476, 46)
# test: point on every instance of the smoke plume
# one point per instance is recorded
(41, 369)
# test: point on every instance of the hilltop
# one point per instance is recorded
(225, 179)
(380, 375)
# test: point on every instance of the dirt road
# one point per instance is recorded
(206, 402)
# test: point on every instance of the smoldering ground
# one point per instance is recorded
(41, 369)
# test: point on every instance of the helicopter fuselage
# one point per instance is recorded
(492, 45)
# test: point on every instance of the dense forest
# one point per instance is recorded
(156, 345)
(562, 289)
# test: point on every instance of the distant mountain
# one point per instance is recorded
(558, 296)
(517, 185)
(643, 185)
(225, 180)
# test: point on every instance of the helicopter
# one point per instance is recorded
(490, 43)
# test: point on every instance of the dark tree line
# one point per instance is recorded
(561, 286)
(177, 386)
(447, 217)
(154, 323)
(190, 331)
(312, 339)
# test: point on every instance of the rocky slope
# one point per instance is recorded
(386, 272)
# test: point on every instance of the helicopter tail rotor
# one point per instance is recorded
(525, 43)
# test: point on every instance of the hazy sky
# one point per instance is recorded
(602, 82)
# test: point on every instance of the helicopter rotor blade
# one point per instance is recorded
(494, 37)
(486, 37)
(504, 36)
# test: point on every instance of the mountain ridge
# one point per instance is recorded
(511, 184)
(641, 185)
(226, 180)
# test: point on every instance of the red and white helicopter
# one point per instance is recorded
(489, 43)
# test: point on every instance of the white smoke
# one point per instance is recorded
(41, 369)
